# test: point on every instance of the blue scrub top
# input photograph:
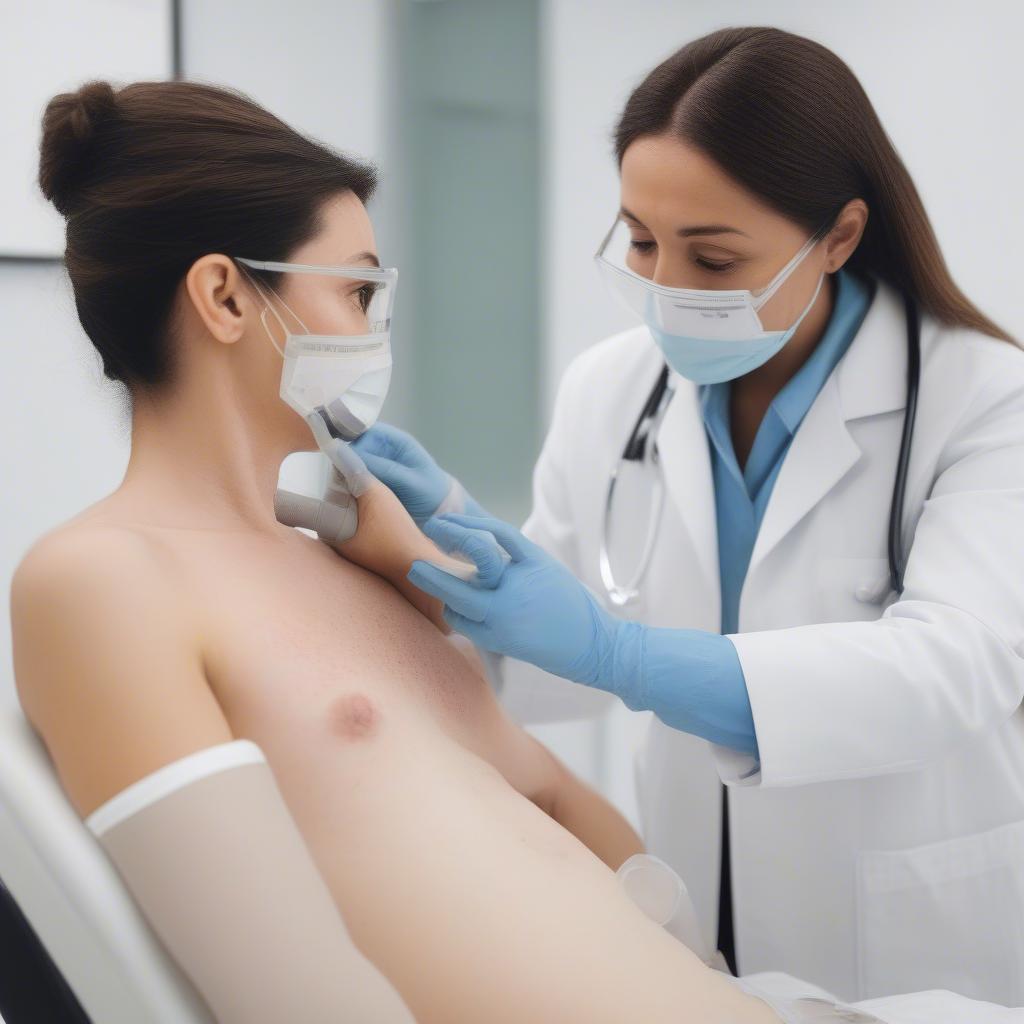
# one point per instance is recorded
(741, 496)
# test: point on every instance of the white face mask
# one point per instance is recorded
(709, 336)
(338, 379)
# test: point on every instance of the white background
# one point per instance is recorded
(127, 40)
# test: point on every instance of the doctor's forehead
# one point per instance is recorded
(345, 235)
(667, 184)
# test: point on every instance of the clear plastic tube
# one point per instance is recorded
(662, 895)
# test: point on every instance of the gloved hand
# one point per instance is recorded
(399, 461)
(535, 609)
(378, 533)
(349, 473)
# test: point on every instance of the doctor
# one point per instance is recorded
(831, 617)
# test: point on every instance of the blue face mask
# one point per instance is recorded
(707, 336)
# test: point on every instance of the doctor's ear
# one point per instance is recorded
(846, 234)
(219, 296)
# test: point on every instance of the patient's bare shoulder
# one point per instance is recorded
(107, 660)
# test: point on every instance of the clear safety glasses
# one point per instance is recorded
(716, 314)
(361, 305)
(341, 378)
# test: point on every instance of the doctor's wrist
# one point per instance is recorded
(454, 500)
(459, 500)
(621, 668)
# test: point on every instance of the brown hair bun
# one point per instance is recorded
(70, 125)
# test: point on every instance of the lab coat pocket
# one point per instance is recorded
(852, 589)
(949, 915)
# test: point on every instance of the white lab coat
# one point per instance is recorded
(879, 846)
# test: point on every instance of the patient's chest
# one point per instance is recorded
(306, 646)
(347, 688)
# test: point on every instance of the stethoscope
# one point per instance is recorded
(646, 429)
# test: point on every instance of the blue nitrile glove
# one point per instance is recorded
(535, 610)
(402, 464)
(538, 611)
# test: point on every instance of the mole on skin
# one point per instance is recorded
(353, 716)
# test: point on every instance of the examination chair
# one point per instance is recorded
(74, 948)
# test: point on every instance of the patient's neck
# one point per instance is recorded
(200, 461)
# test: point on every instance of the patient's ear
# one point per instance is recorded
(219, 297)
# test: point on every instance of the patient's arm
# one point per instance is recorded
(567, 798)
(109, 670)
(592, 819)
(532, 769)
(387, 542)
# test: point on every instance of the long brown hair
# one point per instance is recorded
(153, 176)
(786, 118)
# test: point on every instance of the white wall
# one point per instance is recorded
(945, 78)
(129, 41)
(324, 67)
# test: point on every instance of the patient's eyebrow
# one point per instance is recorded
(361, 257)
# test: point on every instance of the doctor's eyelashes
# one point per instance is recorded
(644, 247)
